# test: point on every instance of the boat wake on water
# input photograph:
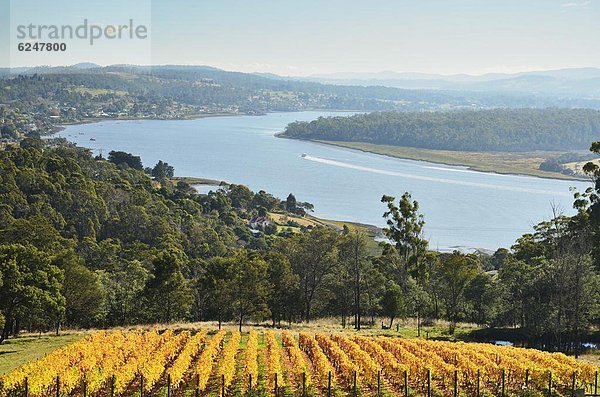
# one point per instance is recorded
(466, 171)
(357, 167)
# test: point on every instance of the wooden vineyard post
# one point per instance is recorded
(57, 386)
(303, 384)
(329, 384)
(197, 386)
(276, 386)
(527, 378)
(378, 383)
(573, 383)
(550, 384)
(112, 385)
(503, 382)
(141, 385)
(26, 387)
(455, 383)
(84, 386)
(596, 383)
(223, 385)
(168, 385)
(405, 383)
(428, 382)
(250, 382)
(354, 385)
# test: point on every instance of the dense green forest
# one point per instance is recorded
(482, 130)
(87, 241)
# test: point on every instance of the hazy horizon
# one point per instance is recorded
(340, 72)
(291, 39)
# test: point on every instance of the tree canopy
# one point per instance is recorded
(466, 130)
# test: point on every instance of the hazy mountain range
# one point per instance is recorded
(582, 82)
(574, 83)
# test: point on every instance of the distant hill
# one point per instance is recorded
(560, 82)
(261, 92)
(85, 65)
(568, 73)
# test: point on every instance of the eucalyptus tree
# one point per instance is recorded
(455, 273)
(405, 229)
(354, 257)
(314, 255)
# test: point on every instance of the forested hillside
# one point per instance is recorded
(89, 241)
(482, 130)
(100, 236)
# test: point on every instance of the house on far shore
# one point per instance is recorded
(258, 222)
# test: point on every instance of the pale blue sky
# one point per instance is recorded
(305, 37)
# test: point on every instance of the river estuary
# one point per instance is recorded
(463, 209)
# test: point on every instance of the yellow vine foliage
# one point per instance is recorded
(154, 368)
(251, 360)
(273, 360)
(227, 364)
(205, 361)
(367, 366)
(296, 357)
(124, 356)
(340, 360)
(392, 368)
(321, 365)
(184, 360)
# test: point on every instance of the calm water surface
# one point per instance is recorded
(462, 208)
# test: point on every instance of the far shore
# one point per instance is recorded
(504, 163)
(56, 128)
(62, 126)
(192, 180)
(193, 116)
